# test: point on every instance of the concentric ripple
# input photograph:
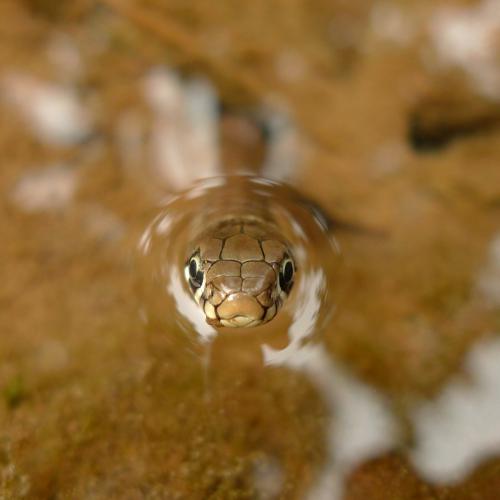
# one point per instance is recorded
(164, 246)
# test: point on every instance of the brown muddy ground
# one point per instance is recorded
(96, 405)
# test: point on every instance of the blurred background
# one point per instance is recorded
(386, 113)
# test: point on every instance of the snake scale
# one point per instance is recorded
(240, 271)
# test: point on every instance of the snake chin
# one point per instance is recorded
(236, 322)
(240, 322)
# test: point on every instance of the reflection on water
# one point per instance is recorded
(459, 429)
(465, 36)
(361, 426)
(183, 143)
(53, 112)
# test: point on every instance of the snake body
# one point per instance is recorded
(240, 271)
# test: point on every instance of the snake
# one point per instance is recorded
(240, 271)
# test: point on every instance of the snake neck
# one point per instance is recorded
(243, 144)
(239, 201)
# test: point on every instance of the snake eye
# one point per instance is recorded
(286, 274)
(194, 271)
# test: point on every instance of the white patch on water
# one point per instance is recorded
(52, 111)
(488, 283)
(311, 288)
(362, 426)
(189, 309)
(285, 151)
(468, 37)
(460, 429)
(202, 139)
(45, 190)
(163, 93)
(183, 144)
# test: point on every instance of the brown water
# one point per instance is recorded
(108, 109)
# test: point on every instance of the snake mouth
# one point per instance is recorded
(239, 310)
(240, 322)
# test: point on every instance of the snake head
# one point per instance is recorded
(240, 274)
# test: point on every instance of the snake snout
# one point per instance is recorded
(240, 310)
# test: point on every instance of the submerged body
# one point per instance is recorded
(240, 271)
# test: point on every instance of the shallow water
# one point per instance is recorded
(379, 377)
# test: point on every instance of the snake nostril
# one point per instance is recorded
(217, 297)
(265, 298)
